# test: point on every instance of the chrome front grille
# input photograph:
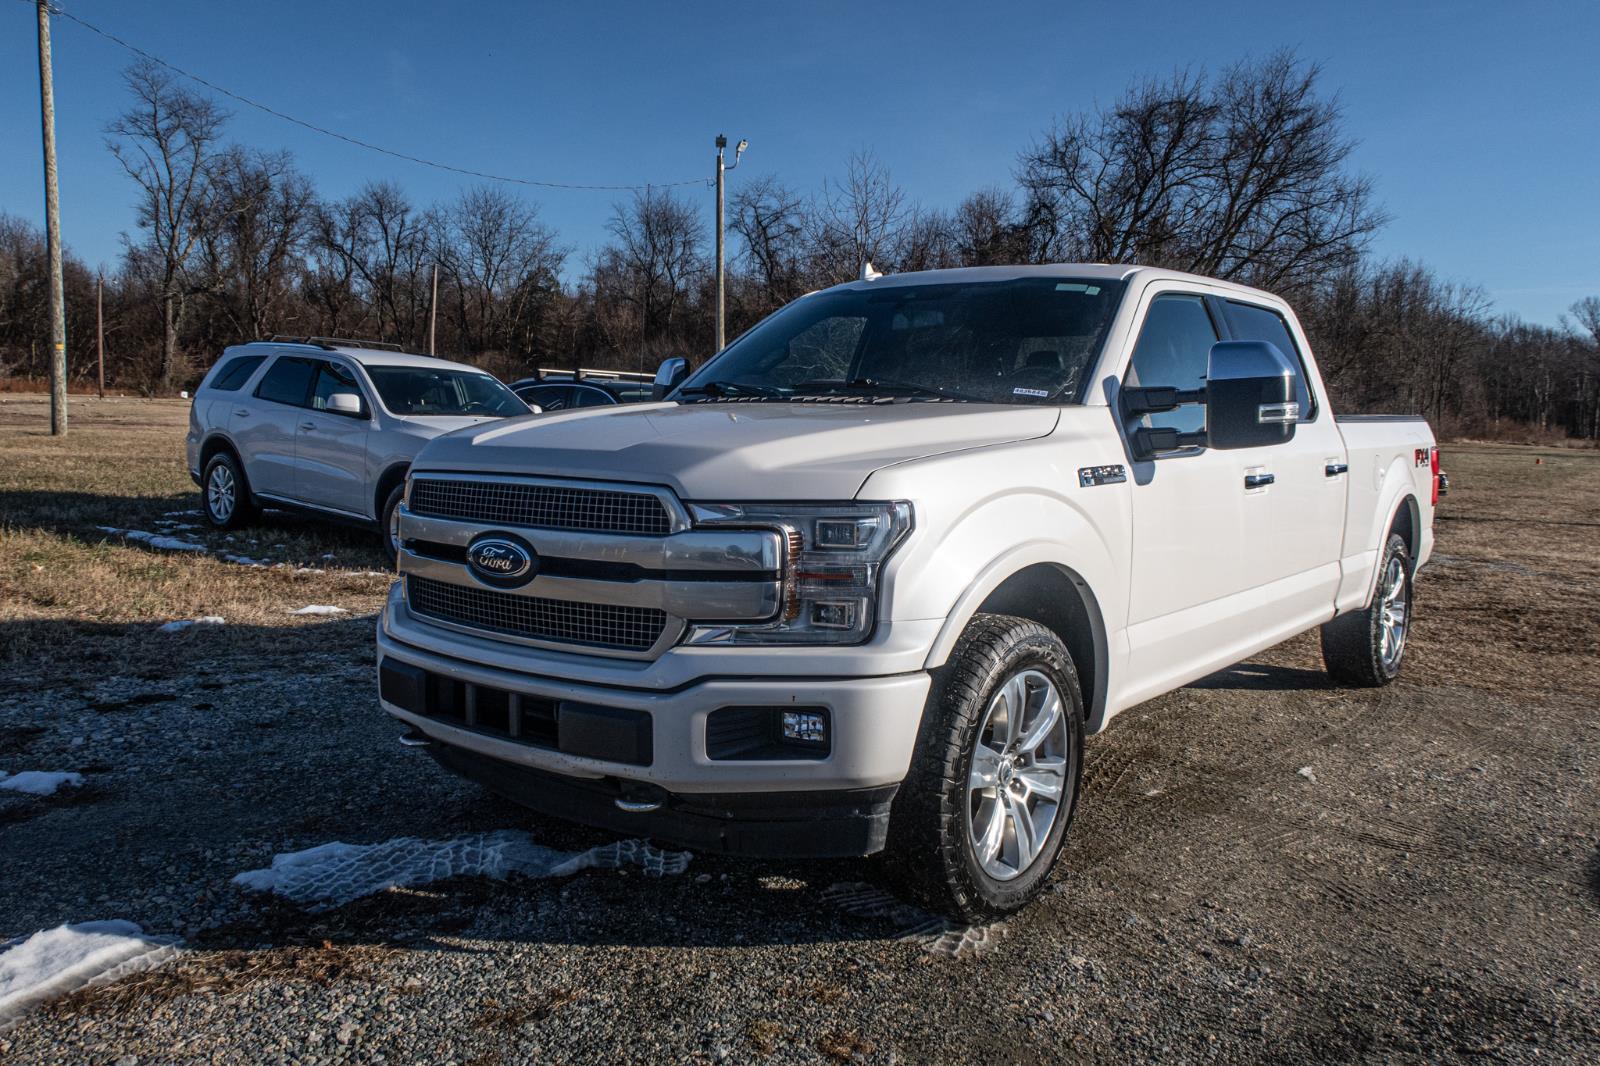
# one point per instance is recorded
(541, 506)
(600, 625)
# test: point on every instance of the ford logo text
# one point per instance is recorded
(501, 560)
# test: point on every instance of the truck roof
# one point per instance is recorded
(1108, 271)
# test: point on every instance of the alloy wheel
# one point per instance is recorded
(1018, 777)
(221, 492)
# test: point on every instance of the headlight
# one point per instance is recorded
(830, 581)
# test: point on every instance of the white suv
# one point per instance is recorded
(327, 426)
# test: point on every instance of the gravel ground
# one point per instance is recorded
(1262, 867)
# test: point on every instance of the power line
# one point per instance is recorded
(230, 94)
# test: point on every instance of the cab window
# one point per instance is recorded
(1248, 322)
(1174, 349)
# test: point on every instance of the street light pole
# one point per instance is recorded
(52, 226)
(722, 269)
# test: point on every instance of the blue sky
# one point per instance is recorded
(1477, 120)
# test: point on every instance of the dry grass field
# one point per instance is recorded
(1264, 867)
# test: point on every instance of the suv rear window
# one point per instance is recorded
(235, 372)
(288, 380)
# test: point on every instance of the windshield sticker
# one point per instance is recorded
(1043, 394)
(1071, 286)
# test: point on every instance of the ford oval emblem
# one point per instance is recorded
(499, 559)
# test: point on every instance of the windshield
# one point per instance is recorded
(410, 390)
(1028, 340)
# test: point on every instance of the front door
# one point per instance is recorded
(1190, 552)
(331, 447)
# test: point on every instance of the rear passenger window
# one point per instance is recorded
(590, 397)
(1251, 323)
(288, 380)
(235, 372)
(1174, 350)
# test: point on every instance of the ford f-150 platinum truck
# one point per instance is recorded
(866, 580)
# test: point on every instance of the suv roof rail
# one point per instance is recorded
(330, 343)
(542, 372)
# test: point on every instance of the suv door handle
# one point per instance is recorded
(308, 425)
(1259, 481)
(242, 412)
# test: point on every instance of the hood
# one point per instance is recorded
(734, 451)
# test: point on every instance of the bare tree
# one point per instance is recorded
(1241, 178)
(502, 265)
(856, 220)
(653, 266)
(166, 142)
(258, 219)
(770, 220)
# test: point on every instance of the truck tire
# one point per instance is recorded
(1364, 648)
(388, 527)
(225, 494)
(980, 819)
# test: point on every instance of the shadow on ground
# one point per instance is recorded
(1261, 677)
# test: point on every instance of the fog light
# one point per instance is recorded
(805, 726)
(833, 614)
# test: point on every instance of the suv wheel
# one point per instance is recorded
(981, 818)
(389, 525)
(1365, 648)
(225, 493)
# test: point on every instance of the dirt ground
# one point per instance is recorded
(1263, 867)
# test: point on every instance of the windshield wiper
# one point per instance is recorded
(729, 388)
(908, 388)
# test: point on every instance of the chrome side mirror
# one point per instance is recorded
(670, 375)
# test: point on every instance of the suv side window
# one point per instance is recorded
(548, 397)
(288, 380)
(235, 372)
(1251, 323)
(589, 396)
(1174, 349)
(332, 378)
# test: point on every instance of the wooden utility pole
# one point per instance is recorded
(433, 311)
(100, 330)
(52, 227)
(722, 268)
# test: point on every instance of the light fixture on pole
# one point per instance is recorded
(722, 270)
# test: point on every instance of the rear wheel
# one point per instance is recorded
(1365, 648)
(225, 494)
(981, 818)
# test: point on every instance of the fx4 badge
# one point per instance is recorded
(1101, 475)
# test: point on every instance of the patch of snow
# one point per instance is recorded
(320, 608)
(1307, 773)
(172, 514)
(241, 560)
(39, 782)
(332, 875)
(180, 624)
(53, 962)
(155, 540)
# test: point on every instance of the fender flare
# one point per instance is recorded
(1001, 569)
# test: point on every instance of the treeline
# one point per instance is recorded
(1242, 176)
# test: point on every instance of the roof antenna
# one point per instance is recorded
(867, 273)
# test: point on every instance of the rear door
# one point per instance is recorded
(1302, 509)
(263, 426)
(331, 448)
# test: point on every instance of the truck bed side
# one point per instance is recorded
(1389, 459)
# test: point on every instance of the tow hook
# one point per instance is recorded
(641, 799)
(415, 739)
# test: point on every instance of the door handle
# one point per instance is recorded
(1335, 469)
(1259, 481)
(241, 412)
(308, 425)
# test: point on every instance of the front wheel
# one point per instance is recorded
(1365, 648)
(980, 820)
(389, 525)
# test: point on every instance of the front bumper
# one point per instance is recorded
(834, 805)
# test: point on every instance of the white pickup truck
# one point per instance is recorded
(866, 580)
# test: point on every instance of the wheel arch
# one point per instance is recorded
(1030, 583)
(394, 474)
